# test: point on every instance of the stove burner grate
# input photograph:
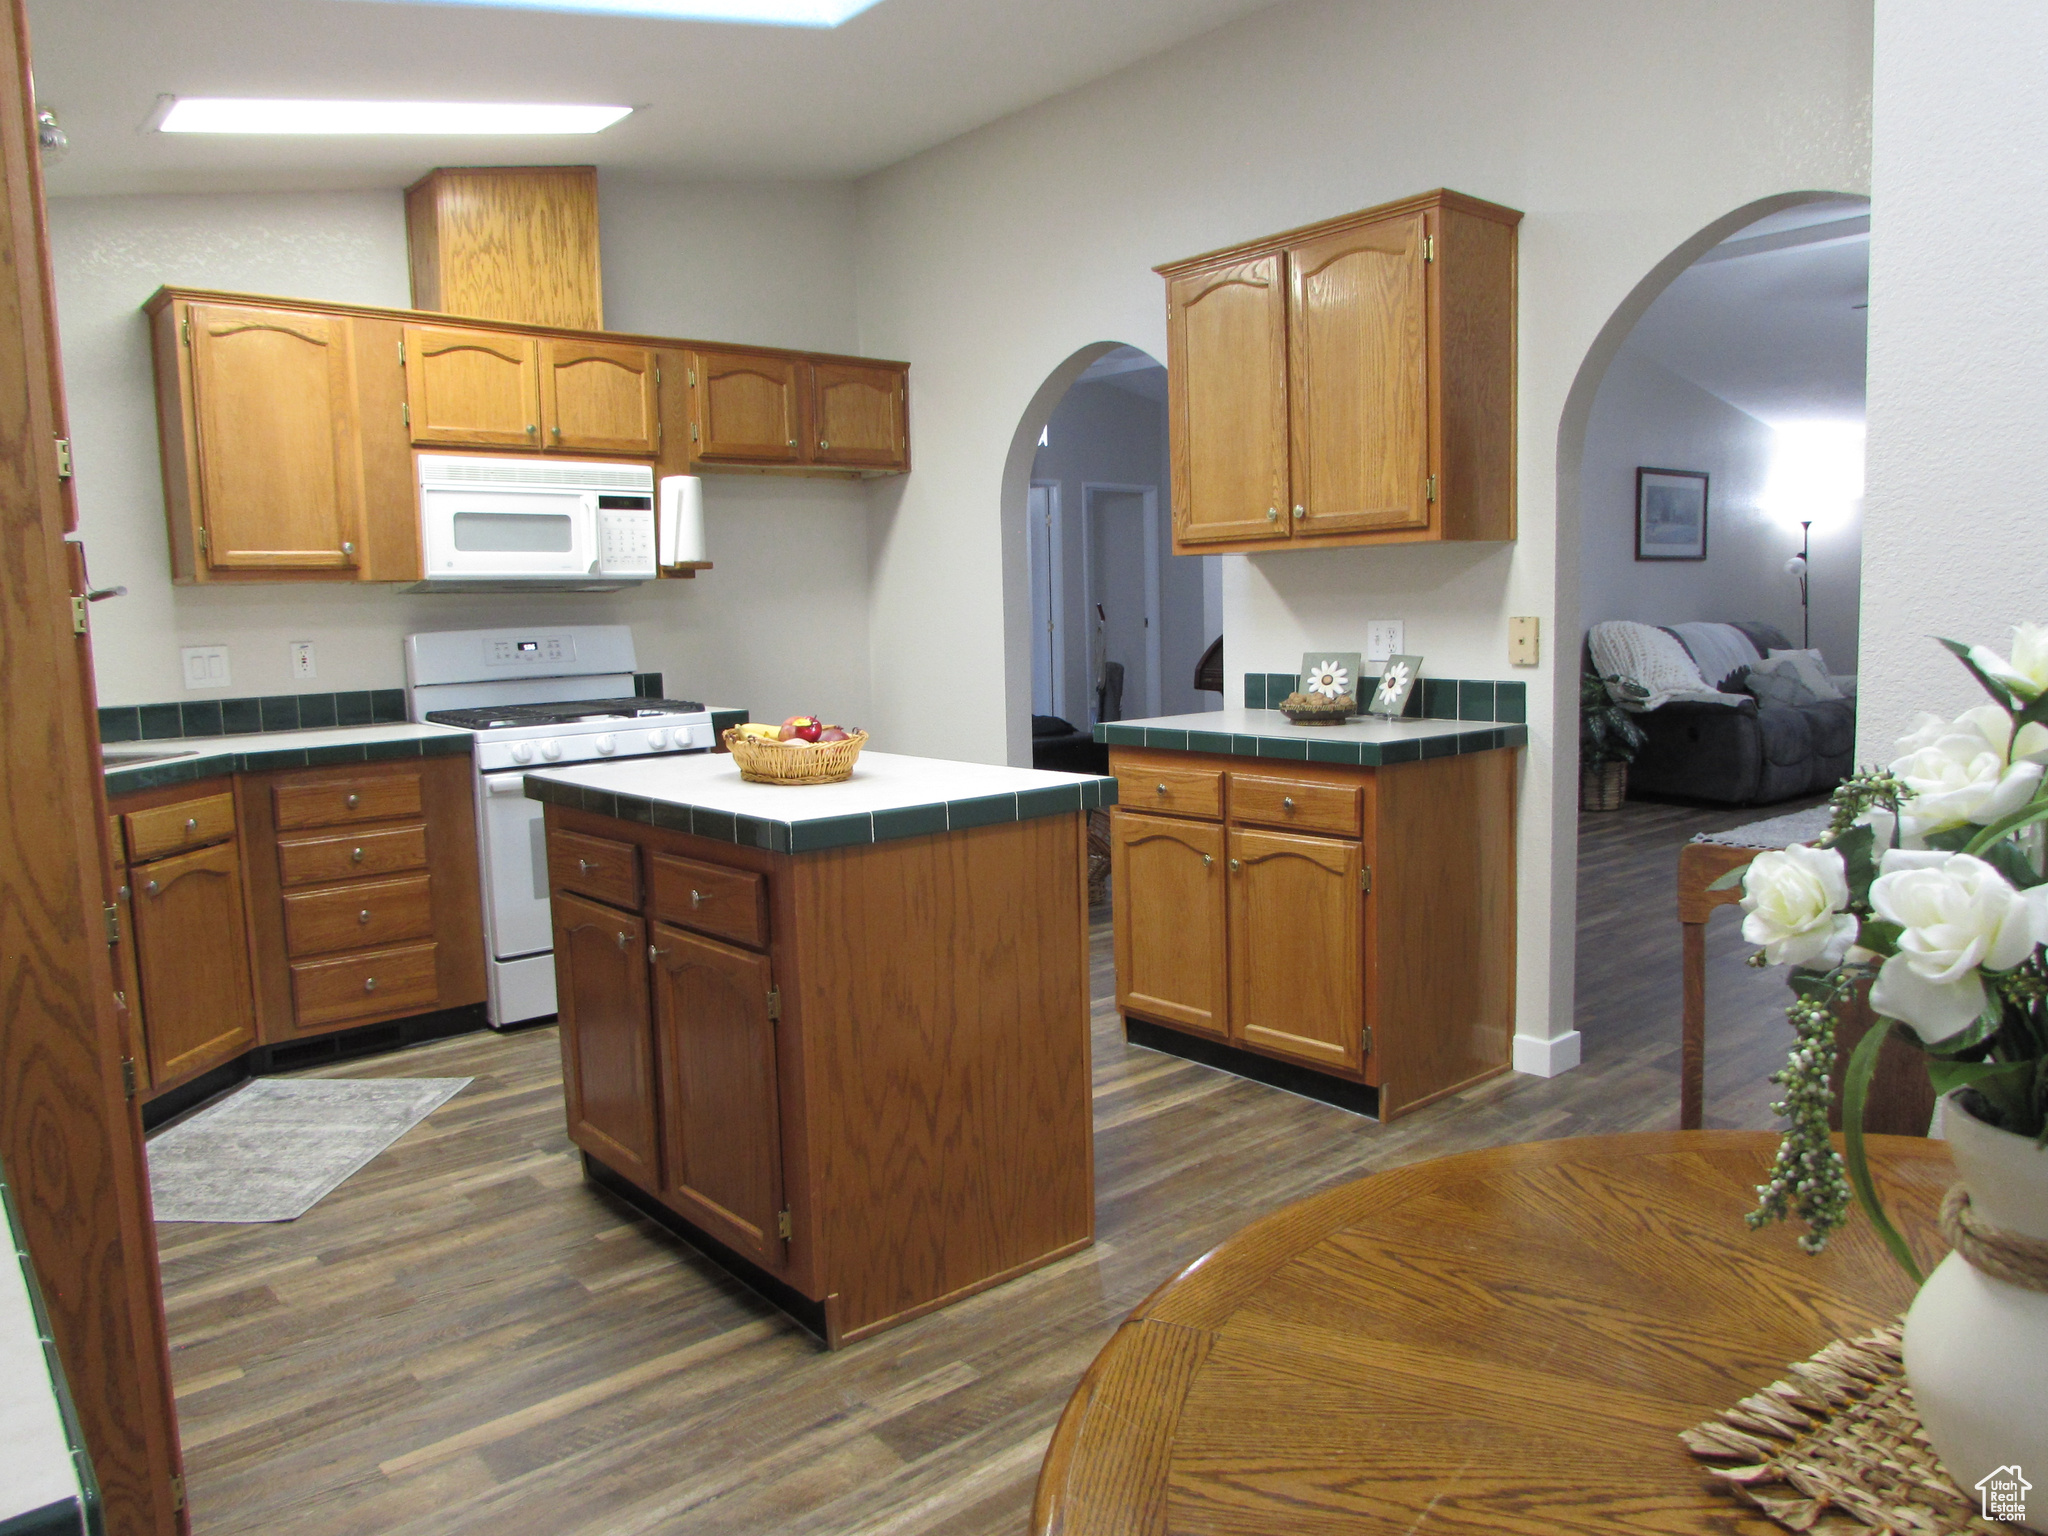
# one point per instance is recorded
(567, 712)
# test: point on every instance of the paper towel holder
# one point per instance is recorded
(679, 527)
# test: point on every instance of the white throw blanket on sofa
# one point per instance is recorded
(1653, 660)
(1720, 649)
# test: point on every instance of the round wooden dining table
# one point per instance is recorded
(1502, 1341)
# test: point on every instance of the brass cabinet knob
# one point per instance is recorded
(1207, 860)
(698, 898)
(124, 893)
(1272, 514)
(654, 953)
(355, 855)
(584, 866)
(1162, 789)
(363, 916)
(369, 983)
(1298, 512)
(1287, 802)
(1234, 864)
(823, 444)
(625, 941)
(150, 888)
(191, 823)
(353, 801)
(348, 549)
(556, 430)
(531, 429)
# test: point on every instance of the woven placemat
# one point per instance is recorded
(1836, 1448)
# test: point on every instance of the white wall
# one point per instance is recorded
(1622, 129)
(770, 265)
(1958, 357)
(1647, 415)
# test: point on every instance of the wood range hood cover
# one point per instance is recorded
(512, 243)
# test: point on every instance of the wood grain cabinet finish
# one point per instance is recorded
(1359, 921)
(357, 916)
(858, 415)
(1173, 791)
(602, 868)
(507, 243)
(347, 797)
(471, 388)
(724, 903)
(354, 989)
(193, 958)
(745, 408)
(1352, 382)
(720, 1092)
(162, 829)
(321, 859)
(598, 397)
(607, 1035)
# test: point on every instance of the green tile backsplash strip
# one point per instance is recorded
(247, 717)
(1433, 698)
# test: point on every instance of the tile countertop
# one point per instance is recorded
(1363, 741)
(888, 797)
(184, 759)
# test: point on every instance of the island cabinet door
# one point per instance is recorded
(1297, 947)
(607, 1036)
(1170, 940)
(720, 1106)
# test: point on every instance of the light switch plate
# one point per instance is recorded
(1524, 647)
(302, 661)
(206, 666)
(1383, 638)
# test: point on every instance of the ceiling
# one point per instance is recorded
(1771, 319)
(716, 101)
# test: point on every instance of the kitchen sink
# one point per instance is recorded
(112, 755)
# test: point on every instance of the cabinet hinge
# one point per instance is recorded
(1429, 247)
(401, 351)
(783, 1228)
(1429, 488)
(1368, 1040)
(113, 916)
(185, 329)
(77, 614)
(775, 1004)
(128, 1076)
(405, 411)
(693, 432)
(1365, 877)
(178, 1491)
(657, 373)
(63, 458)
(693, 378)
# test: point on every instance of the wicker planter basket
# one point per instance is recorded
(1313, 709)
(819, 763)
(1603, 786)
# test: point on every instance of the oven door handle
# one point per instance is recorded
(505, 784)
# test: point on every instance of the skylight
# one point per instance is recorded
(224, 114)
(760, 13)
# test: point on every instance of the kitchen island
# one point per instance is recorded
(836, 1035)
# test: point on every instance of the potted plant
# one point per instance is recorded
(1929, 884)
(1609, 739)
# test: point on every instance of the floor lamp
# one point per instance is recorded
(1796, 566)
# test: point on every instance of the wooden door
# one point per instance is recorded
(1226, 338)
(1297, 947)
(599, 397)
(1358, 354)
(857, 416)
(1170, 938)
(193, 955)
(746, 406)
(472, 389)
(607, 1035)
(280, 468)
(720, 1103)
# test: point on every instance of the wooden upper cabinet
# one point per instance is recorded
(472, 388)
(507, 243)
(1227, 401)
(1297, 948)
(599, 397)
(745, 408)
(857, 415)
(1355, 377)
(280, 479)
(1358, 376)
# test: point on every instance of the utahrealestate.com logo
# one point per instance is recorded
(2005, 1494)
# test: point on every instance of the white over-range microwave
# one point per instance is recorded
(523, 524)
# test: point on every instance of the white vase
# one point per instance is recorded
(1976, 1348)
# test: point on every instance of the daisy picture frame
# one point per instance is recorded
(1331, 674)
(1396, 682)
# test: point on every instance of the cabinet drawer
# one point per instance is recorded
(1299, 803)
(322, 860)
(357, 986)
(726, 903)
(341, 802)
(354, 916)
(1171, 791)
(595, 866)
(188, 824)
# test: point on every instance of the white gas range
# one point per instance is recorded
(535, 697)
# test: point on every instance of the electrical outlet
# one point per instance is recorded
(302, 661)
(206, 666)
(1383, 639)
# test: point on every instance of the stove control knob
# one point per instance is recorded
(522, 751)
(551, 750)
(657, 740)
(607, 745)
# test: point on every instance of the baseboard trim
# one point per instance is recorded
(1547, 1056)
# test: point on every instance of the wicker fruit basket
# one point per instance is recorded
(819, 763)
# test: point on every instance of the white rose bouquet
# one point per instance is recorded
(1929, 884)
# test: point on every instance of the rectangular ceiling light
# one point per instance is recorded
(763, 13)
(225, 114)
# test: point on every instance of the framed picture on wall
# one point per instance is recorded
(1671, 514)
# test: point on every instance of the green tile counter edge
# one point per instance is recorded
(214, 765)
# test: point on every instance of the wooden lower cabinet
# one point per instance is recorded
(1357, 921)
(193, 958)
(862, 1071)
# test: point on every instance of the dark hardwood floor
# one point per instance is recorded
(465, 1338)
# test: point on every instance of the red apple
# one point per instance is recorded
(832, 733)
(805, 727)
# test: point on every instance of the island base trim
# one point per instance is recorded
(1306, 1082)
(987, 1282)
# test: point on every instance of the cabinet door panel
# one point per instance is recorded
(193, 958)
(607, 1035)
(472, 389)
(1358, 396)
(746, 407)
(1227, 402)
(1297, 947)
(599, 397)
(280, 471)
(1170, 942)
(720, 1102)
(857, 416)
